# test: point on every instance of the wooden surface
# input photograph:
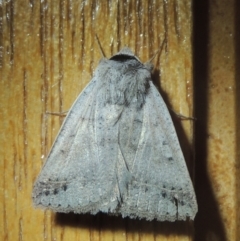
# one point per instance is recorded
(217, 89)
(48, 54)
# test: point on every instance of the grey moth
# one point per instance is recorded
(117, 151)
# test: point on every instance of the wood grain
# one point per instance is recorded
(48, 54)
(216, 76)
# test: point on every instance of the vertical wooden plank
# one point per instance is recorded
(217, 91)
(237, 109)
(48, 54)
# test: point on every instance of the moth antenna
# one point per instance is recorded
(99, 45)
(159, 51)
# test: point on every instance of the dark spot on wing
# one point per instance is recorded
(64, 187)
(182, 203)
(163, 194)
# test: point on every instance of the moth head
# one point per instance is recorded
(125, 51)
(125, 54)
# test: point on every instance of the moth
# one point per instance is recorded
(117, 151)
